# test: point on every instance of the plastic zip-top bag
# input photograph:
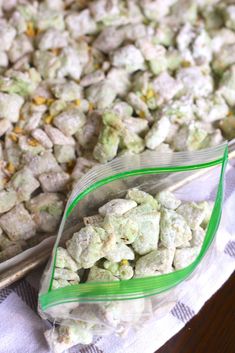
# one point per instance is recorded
(129, 235)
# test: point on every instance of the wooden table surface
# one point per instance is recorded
(212, 330)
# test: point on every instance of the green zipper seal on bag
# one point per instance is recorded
(136, 288)
(137, 172)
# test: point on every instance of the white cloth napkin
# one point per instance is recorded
(21, 329)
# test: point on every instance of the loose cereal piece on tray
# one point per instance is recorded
(53, 181)
(139, 106)
(10, 252)
(8, 199)
(109, 39)
(42, 138)
(136, 125)
(229, 14)
(46, 210)
(44, 163)
(128, 57)
(24, 183)
(166, 86)
(227, 85)
(65, 91)
(5, 242)
(101, 94)
(57, 137)
(195, 82)
(107, 146)
(64, 153)
(5, 125)
(52, 39)
(92, 78)
(81, 23)
(18, 223)
(70, 121)
(131, 141)
(10, 105)
(81, 167)
(7, 35)
(158, 133)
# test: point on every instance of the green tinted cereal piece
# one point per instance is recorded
(119, 252)
(174, 231)
(147, 239)
(123, 228)
(100, 275)
(168, 200)
(64, 260)
(208, 208)
(192, 213)
(65, 274)
(117, 207)
(198, 236)
(184, 257)
(107, 146)
(155, 263)
(142, 197)
(89, 245)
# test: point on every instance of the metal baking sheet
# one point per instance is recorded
(39, 255)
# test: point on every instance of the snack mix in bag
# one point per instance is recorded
(137, 236)
(106, 275)
(84, 81)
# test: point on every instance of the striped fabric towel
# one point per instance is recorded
(22, 329)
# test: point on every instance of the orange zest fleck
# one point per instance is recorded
(39, 100)
(124, 262)
(77, 102)
(143, 98)
(31, 31)
(22, 117)
(32, 142)
(97, 66)
(150, 94)
(5, 179)
(18, 130)
(71, 165)
(48, 119)
(49, 101)
(13, 137)
(185, 63)
(91, 106)
(56, 51)
(142, 114)
(10, 168)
